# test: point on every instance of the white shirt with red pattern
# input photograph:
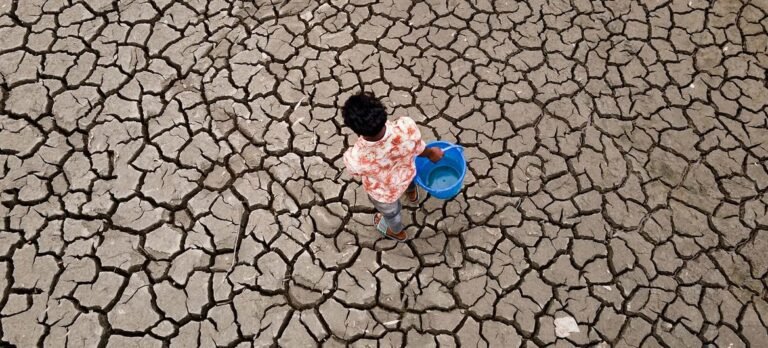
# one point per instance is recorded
(387, 166)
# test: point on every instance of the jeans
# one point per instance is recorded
(392, 212)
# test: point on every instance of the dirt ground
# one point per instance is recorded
(168, 174)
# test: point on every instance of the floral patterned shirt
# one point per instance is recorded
(387, 166)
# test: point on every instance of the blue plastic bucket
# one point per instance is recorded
(444, 179)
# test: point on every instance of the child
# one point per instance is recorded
(384, 157)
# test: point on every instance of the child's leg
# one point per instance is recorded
(391, 213)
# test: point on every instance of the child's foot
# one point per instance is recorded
(385, 231)
(412, 195)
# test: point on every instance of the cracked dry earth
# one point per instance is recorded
(169, 174)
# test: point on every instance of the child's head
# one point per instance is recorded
(365, 114)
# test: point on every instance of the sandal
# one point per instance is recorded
(383, 229)
(413, 199)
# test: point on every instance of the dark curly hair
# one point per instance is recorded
(365, 114)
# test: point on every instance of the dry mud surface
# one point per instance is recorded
(168, 174)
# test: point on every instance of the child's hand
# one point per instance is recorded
(434, 154)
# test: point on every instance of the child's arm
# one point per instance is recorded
(413, 134)
(351, 164)
(433, 153)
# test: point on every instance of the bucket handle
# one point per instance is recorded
(455, 146)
